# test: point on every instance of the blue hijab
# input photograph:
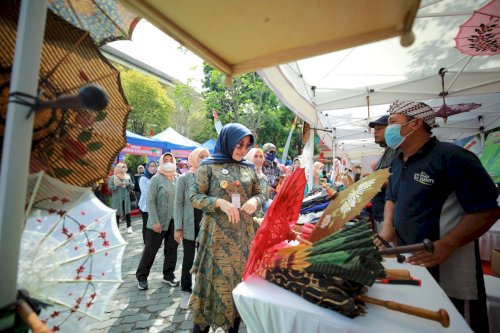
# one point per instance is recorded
(228, 137)
(146, 171)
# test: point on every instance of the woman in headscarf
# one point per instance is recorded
(317, 172)
(256, 156)
(187, 221)
(144, 181)
(120, 184)
(227, 189)
(160, 226)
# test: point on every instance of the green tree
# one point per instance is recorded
(151, 105)
(133, 161)
(249, 101)
(188, 103)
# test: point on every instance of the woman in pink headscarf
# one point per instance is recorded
(256, 156)
(317, 170)
(160, 226)
(120, 185)
(187, 221)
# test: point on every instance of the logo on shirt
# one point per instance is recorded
(423, 178)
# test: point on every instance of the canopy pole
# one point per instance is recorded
(17, 146)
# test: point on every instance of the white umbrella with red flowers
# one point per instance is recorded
(71, 253)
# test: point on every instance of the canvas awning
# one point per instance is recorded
(331, 90)
(244, 36)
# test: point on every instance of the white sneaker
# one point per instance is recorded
(129, 230)
(185, 296)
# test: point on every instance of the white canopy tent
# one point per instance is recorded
(330, 91)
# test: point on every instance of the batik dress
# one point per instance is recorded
(224, 247)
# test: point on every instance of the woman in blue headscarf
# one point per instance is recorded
(144, 181)
(227, 190)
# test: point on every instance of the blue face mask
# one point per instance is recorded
(393, 137)
(270, 156)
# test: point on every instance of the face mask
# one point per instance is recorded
(270, 156)
(169, 167)
(393, 137)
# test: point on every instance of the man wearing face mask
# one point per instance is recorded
(384, 162)
(271, 168)
(439, 191)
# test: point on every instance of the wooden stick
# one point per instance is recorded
(30, 318)
(440, 316)
(425, 245)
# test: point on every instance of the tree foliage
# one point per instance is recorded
(249, 101)
(151, 105)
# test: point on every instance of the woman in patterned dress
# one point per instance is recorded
(227, 189)
(120, 185)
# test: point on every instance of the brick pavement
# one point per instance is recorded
(154, 310)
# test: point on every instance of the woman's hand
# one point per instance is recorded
(157, 228)
(231, 211)
(178, 235)
(250, 206)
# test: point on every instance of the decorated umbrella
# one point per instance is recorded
(105, 20)
(479, 35)
(278, 221)
(74, 144)
(348, 204)
(444, 111)
(334, 272)
(71, 253)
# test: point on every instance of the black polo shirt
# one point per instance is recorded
(431, 184)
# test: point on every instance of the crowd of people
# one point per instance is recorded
(208, 205)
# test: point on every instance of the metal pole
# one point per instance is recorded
(17, 146)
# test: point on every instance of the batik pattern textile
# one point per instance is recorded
(224, 247)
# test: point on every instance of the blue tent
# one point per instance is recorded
(139, 140)
(175, 140)
(210, 145)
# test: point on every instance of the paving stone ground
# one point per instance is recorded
(154, 310)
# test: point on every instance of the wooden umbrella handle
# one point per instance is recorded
(425, 245)
(30, 318)
(440, 316)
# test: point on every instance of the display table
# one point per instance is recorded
(490, 240)
(267, 308)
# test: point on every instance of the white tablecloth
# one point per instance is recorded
(267, 308)
(490, 240)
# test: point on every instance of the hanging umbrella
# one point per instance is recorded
(444, 111)
(348, 204)
(77, 146)
(71, 253)
(105, 20)
(479, 35)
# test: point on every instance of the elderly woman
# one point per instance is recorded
(160, 227)
(227, 189)
(120, 184)
(187, 221)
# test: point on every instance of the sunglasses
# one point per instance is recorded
(241, 145)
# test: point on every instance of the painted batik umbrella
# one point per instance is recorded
(479, 35)
(444, 111)
(334, 272)
(71, 253)
(105, 20)
(348, 204)
(76, 145)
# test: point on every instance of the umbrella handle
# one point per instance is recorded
(425, 245)
(440, 316)
(30, 318)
